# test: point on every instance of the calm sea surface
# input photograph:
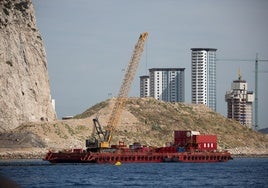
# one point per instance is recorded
(240, 172)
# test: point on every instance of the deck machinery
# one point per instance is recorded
(100, 138)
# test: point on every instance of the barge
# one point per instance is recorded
(188, 146)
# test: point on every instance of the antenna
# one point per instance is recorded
(239, 74)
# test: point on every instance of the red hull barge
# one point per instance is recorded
(188, 146)
(112, 158)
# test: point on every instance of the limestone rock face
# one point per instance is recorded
(24, 84)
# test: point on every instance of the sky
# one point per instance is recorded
(90, 42)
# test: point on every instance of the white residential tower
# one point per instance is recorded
(165, 84)
(204, 76)
(144, 86)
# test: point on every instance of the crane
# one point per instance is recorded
(104, 136)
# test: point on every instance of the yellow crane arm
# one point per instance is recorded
(124, 90)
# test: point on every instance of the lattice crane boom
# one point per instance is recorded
(124, 90)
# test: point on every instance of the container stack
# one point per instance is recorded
(193, 140)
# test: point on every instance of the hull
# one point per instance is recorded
(135, 157)
(188, 147)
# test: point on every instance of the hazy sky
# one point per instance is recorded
(89, 43)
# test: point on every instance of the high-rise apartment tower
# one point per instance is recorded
(239, 102)
(204, 76)
(166, 84)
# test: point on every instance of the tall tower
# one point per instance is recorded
(239, 102)
(204, 76)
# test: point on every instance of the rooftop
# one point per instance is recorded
(206, 49)
(166, 69)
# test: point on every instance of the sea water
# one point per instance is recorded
(240, 172)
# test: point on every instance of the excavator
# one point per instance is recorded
(100, 138)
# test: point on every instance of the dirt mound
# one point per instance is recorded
(152, 122)
(148, 121)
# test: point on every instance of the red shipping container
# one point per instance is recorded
(206, 142)
(181, 134)
(206, 138)
(182, 137)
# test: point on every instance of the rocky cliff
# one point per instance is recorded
(25, 90)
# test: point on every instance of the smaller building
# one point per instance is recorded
(144, 86)
(240, 102)
(166, 84)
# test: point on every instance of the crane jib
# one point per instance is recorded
(106, 136)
